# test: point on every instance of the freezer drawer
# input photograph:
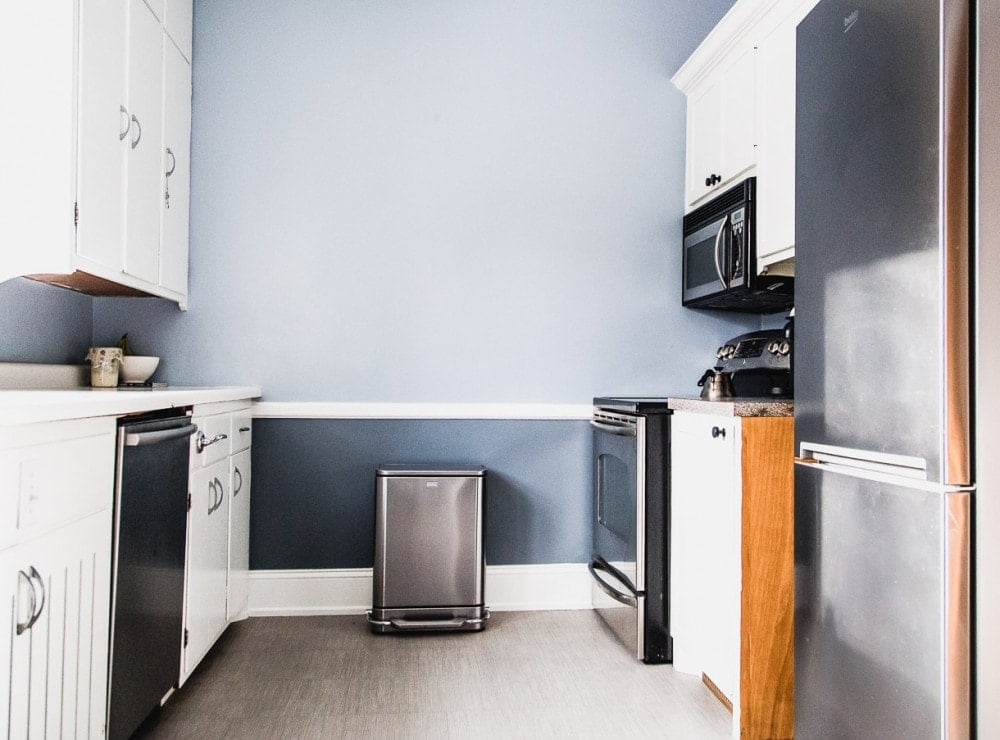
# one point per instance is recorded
(429, 568)
(881, 608)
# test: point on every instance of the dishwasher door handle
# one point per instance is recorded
(141, 439)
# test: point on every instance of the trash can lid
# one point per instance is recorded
(412, 470)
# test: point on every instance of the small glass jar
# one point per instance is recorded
(104, 364)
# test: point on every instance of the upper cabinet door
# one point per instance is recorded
(739, 134)
(776, 151)
(105, 126)
(721, 132)
(145, 93)
(704, 139)
(178, 24)
(174, 200)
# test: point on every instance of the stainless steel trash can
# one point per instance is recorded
(429, 565)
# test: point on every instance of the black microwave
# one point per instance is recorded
(720, 257)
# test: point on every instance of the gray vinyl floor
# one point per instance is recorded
(529, 674)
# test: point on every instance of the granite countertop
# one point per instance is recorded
(735, 406)
(28, 406)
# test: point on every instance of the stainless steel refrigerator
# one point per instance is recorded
(886, 249)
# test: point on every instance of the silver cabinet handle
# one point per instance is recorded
(218, 495)
(23, 626)
(244, 429)
(138, 128)
(718, 257)
(237, 484)
(203, 441)
(213, 503)
(128, 123)
(35, 576)
(173, 163)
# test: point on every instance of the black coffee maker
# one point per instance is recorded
(760, 363)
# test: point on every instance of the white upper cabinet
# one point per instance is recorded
(145, 94)
(720, 132)
(776, 124)
(37, 185)
(720, 81)
(176, 167)
(104, 128)
(85, 116)
(740, 88)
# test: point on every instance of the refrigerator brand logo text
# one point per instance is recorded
(850, 20)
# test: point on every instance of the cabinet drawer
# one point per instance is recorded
(241, 430)
(214, 436)
(48, 484)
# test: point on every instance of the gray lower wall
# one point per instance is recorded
(313, 486)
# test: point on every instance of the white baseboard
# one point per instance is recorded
(285, 593)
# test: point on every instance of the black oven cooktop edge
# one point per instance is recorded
(632, 404)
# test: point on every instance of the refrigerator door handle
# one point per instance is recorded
(905, 466)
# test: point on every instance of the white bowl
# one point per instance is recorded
(137, 368)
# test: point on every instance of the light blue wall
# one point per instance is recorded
(454, 200)
(41, 323)
(436, 201)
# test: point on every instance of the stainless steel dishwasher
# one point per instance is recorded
(151, 503)
(429, 533)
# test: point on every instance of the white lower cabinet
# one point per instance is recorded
(218, 551)
(731, 563)
(207, 562)
(57, 484)
(56, 592)
(705, 550)
(239, 536)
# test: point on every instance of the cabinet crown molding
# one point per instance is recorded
(738, 23)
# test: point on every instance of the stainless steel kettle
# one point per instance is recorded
(716, 384)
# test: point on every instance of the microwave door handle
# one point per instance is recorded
(718, 256)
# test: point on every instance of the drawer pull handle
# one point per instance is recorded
(718, 432)
(244, 429)
(204, 442)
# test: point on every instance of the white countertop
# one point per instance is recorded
(27, 406)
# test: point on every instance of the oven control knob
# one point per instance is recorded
(730, 350)
(784, 348)
(720, 352)
(773, 346)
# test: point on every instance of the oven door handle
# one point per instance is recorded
(600, 564)
(622, 430)
(718, 256)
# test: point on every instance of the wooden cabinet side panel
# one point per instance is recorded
(767, 600)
